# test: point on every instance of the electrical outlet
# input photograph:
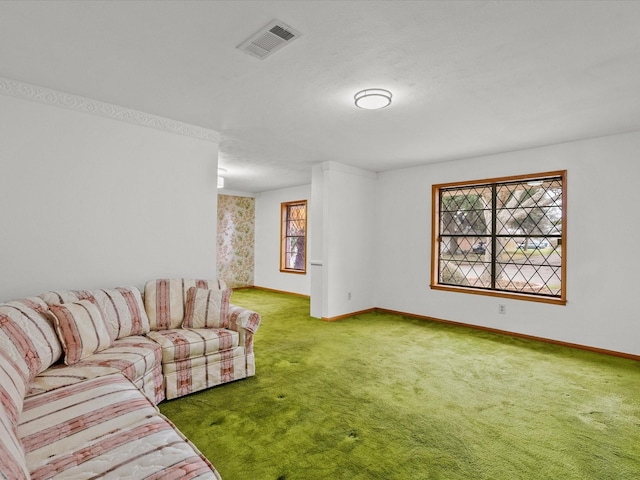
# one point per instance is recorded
(348, 295)
(502, 309)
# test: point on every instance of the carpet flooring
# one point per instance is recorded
(381, 396)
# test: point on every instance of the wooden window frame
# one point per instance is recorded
(435, 284)
(284, 220)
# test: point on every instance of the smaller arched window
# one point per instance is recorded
(293, 247)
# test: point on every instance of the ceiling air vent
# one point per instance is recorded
(269, 40)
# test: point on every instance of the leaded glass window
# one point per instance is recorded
(294, 237)
(502, 236)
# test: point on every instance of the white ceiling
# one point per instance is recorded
(468, 78)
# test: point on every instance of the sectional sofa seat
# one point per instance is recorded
(81, 373)
(104, 427)
(138, 358)
(128, 350)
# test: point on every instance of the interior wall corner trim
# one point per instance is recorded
(34, 93)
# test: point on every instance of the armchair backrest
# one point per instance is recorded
(164, 299)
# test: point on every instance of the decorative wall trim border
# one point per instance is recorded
(47, 96)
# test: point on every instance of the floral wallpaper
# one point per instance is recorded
(236, 220)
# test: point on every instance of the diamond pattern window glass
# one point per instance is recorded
(502, 237)
(293, 248)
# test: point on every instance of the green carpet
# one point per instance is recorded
(381, 396)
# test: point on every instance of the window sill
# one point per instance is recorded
(496, 293)
(299, 272)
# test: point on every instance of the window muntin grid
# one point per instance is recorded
(294, 237)
(502, 237)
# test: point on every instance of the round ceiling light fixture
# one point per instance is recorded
(373, 98)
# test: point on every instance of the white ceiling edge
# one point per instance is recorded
(344, 168)
(56, 98)
(236, 193)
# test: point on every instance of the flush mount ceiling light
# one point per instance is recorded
(373, 98)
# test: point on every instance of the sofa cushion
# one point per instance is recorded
(13, 464)
(134, 357)
(181, 344)
(206, 308)
(164, 300)
(105, 428)
(123, 310)
(65, 296)
(81, 328)
(28, 326)
(122, 307)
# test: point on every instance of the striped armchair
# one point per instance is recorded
(205, 340)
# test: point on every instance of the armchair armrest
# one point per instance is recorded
(243, 318)
(246, 323)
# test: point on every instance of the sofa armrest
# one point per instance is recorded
(246, 323)
(240, 317)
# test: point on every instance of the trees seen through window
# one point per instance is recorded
(501, 236)
(294, 237)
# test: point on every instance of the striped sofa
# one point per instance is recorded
(81, 373)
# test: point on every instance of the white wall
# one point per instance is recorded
(267, 237)
(318, 303)
(89, 202)
(349, 238)
(601, 252)
(341, 237)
